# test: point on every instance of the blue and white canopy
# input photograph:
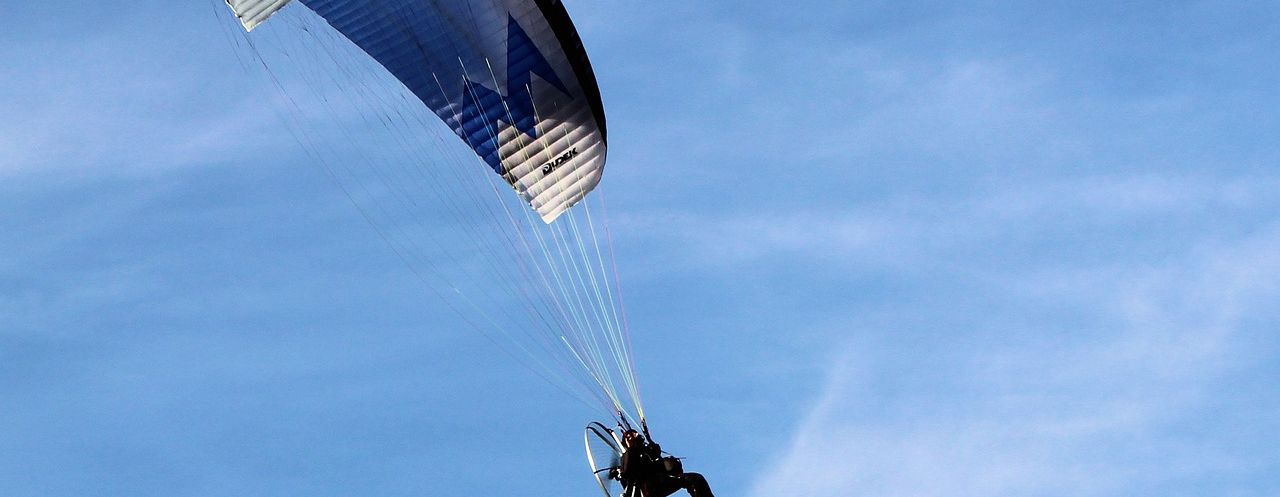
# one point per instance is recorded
(510, 77)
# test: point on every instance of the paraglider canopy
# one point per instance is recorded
(508, 77)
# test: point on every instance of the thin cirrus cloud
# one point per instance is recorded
(122, 99)
(923, 230)
(1115, 408)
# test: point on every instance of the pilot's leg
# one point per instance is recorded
(696, 485)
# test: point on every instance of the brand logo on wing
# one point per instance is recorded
(548, 167)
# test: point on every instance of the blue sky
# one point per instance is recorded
(874, 248)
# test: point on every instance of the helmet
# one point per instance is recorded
(631, 437)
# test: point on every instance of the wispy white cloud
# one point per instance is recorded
(1093, 411)
(925, 230)
(92, 107)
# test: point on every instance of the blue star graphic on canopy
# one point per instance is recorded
(483, 109)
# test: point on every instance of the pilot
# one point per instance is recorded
(644, 468)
